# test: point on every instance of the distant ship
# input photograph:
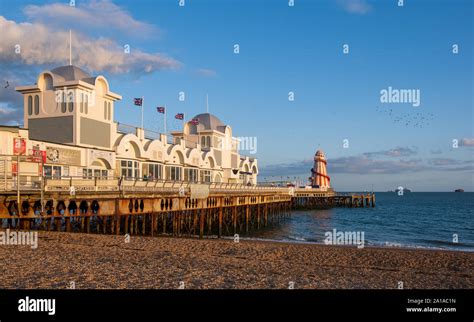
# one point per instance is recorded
(459, 190)
(404, 190)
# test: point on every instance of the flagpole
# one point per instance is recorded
(143, 103)
(70, 47)
(164, 119)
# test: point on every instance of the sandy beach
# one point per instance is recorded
(108, 262)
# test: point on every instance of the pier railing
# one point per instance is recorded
(31, 182)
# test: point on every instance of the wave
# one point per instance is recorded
(389, 244)
(296, 238)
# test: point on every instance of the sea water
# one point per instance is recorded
(414, 220)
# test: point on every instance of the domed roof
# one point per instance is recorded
(320, 154)
(71, 73)
(208, 121)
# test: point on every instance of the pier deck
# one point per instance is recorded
(118, 206)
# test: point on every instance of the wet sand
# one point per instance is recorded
(107, 262)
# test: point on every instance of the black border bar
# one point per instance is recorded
(239, 305)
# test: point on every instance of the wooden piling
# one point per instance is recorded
(247, 219)
(220, 222)
(201, 224)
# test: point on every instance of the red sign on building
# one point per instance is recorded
(37, 155)
(19, 146)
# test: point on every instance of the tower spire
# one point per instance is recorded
(319, 175)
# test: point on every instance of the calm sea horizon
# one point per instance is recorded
(437, 220)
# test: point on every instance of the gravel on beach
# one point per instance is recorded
(90, 261)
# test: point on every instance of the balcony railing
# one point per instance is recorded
(72, 184)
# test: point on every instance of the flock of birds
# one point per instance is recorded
(414, 119)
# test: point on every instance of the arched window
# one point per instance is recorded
(203, 141)
(208, 141)
(86, 104)
(82, 102)
(71, 101)
(37, 104)
(64, 103)
(30, 105)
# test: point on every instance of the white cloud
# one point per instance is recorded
(11, 116)
(93, 14)
(360, 7)
(397, 152)
(467, 142)
(206, 72)
(41, 45)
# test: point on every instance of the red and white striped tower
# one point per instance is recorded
(319, 174)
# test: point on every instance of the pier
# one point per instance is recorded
(313, 199)
(142, 207)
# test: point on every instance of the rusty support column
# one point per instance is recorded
(152, 224)
(88, 223)
(234, 218)
(127, 217)
(258, 214)
(201, 223)
(265, 215)
(165, 217)
(195, 221)
(247, 218)
(209, 221)
(220, 222)
(68, 224)
(118, 219)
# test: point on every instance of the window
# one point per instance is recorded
(87, 173)
(173, 173)
(63, 102)
(37, 104)
(52, 171)
(94, 173)
(129, 169)
(86, 104)
(205, 141)
(105, 110)
(82, 102)
(152, 171)
(191, 175)
(206, 175)
(109, 111)
(30, 105)
(71, 101)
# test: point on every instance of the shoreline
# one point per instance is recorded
(302, 242)
(95, 261)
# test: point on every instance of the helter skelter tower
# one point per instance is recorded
(319, 175)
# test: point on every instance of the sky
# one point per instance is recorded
(335, 56)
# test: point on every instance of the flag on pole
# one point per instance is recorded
(138, 101)
(179, 116)
(160, 109)
(194, 121)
